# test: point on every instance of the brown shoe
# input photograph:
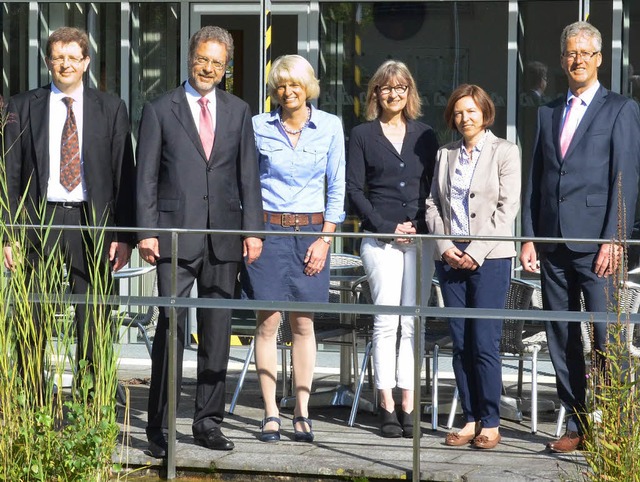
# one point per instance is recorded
(569, 442)
(484, 442)
(454, 439)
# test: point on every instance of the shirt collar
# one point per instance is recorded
(276, 116)
(587, 96)
(194, 95)
(478, 147)
(76, 95)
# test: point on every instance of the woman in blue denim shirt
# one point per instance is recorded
(302, 176)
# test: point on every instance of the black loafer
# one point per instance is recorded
(158, 444)
(270, 435)
(390, 426)
(214, 439)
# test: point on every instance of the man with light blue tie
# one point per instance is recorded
(585, 166)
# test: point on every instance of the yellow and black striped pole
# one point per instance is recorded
(265, 43)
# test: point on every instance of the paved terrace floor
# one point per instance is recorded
(339, 452)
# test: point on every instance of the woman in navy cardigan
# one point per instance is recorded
(389, 169)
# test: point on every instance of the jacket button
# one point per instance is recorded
(562, 199)
(404, 205)
(209, 169)
(472, 195)
(402, 164)
(473, 215)
(205, 197)
(403, 184)
(562, 173)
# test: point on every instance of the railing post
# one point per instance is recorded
(173, 363)
(418, 341)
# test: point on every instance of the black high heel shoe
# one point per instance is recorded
(299, 436)
(269, 435)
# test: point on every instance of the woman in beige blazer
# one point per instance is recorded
(475, 192)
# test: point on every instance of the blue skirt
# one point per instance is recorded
(278, 274)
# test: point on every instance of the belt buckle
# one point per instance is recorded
(283, 221)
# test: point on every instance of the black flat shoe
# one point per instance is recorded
(406, 421)
(158, 444)
(390, 426)
(214, 439)
(302, 436)
(270, 435)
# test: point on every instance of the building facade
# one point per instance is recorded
(509, 47)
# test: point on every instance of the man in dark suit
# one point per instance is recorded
(198, 169)
(585, 167)
(70, 162)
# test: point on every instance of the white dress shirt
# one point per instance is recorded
(57, 117)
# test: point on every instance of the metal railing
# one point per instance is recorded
(420, 311)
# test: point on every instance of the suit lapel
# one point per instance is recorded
(452, 159)
(183, 113)
(556, 121)
(590, 114)
(39, 124)
(223, 114)
(382, 140)
(484, 161)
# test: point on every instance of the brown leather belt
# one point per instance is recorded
(293, 220)
(461, 240)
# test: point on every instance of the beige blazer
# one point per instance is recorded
(494, 198)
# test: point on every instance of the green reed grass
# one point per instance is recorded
(50, 434)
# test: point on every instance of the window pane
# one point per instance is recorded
(634, 50)
(541, 79)
(102, 23)
(155, 46)
(444, 44)
(15, 44)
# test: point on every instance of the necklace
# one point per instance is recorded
(297, 131)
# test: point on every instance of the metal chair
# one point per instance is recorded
(514, 346)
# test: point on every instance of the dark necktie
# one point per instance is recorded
(69, 150)
(206, 126)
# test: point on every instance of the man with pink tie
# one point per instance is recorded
(586, 159)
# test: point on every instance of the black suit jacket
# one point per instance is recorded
(578, 196)
(387, 188)
(178, 187)
(107, 155)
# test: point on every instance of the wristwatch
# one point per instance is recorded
(327, 239)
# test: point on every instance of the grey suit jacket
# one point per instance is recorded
(178, 187)
(494, 198)
(107, 156)
(578, 196)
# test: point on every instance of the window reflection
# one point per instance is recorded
(444, 44)
(102, 23)
(633, 88)
(155, 53)
(14, 49)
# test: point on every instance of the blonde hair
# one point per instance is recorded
(388, 71)
(293, 68)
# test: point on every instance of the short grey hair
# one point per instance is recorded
(211, 33)
(580, 28)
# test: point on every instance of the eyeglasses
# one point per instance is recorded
(586, 56)
(214, 63)
(71, 60)
(386, 89)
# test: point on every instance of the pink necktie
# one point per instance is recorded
(206, 126)
(569, 127)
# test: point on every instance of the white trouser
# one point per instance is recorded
(391, 270)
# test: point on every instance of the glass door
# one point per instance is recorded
(293, 31)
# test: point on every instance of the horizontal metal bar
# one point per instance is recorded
(345, 308)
